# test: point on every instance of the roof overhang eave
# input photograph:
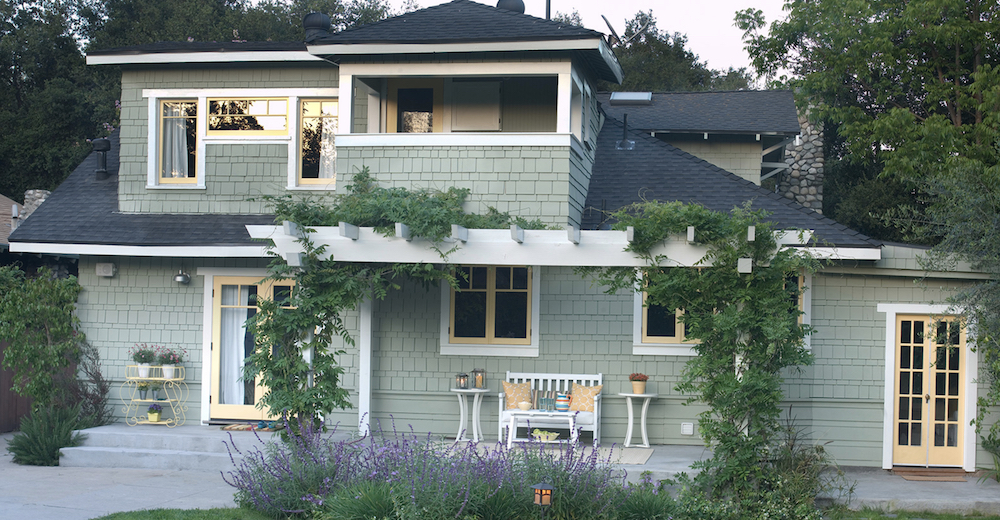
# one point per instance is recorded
(193, 251)
(159, 58)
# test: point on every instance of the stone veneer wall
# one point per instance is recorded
(804, 182)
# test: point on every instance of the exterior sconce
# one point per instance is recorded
(462, 381)
(543, 496)
(182, 277)
(479, 378)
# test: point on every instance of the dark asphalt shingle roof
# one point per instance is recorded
(84, 210)
(744, 111)
(179, 47)
(655, 170)
(459, 21)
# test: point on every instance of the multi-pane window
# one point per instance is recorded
(317, 150)
(178, 141)
(661, 324)
(265, 116)
(492, 305)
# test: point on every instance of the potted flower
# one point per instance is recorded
(143, 390)
(170, 358)
(638, 380)
(143, 355)
(155, 387)
(154, 412)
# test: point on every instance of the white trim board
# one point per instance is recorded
(441, 139)
(154, 251)
(891, 310)
(203, 57)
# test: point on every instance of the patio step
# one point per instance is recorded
(193, 447)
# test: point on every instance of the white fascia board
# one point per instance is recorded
(844, 253)
(346, 49)
(452, 69)
(202, 57)
(486, 247)
(160, 93)
(153, 251)
(454, 139)
(611, 60)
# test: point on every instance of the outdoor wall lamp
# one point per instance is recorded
(182, 277)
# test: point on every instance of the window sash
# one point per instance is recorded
(494, 298)
(237, 116)
(317, 151)
(178, 141)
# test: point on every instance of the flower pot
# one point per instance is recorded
(143, 394)
(168, 371)
(638, 387)
(154, 416)
(143, 369)
(156, 395)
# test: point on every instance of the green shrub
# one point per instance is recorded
(364, 500)
(43, 432)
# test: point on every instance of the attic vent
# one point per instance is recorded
(631, 98)
(511, 5)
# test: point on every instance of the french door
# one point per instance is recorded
(234, 301)
(930, 391)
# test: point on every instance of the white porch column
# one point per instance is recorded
(364, 365)
(345, 104)
(564, 93)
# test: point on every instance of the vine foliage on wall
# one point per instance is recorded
(746, 327)
(326, 289)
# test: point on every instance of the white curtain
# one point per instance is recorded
(175, 152)
(327, 149)
(233, 334)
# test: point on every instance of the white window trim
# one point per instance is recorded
(478, 349)
(971, 369)
(153, 97)
(684, 349)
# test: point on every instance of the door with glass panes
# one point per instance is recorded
(930, 391)
(234, 301)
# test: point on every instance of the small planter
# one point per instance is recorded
(154, 416)
(156, 394)
(638, 387)
(168, 371)
(143, 369)
(143, 394)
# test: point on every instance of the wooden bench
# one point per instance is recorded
(589, 421)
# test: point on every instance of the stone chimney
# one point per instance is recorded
(803, 183)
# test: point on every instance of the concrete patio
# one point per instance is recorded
(96, 480)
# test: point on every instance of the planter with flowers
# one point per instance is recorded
(638, 380)
(170, 358)
(154, 412)
(143, 355)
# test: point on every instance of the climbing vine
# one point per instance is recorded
(745, 325)
(288, 332)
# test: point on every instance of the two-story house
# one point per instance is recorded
(501, 103)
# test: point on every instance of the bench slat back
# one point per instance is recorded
(557, 382)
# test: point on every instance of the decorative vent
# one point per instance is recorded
(106, 270)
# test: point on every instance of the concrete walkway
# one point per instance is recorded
(61, 493)
(58, 493)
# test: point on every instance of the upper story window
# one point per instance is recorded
(178, 142)
(317, 150)
(185, 123)
(248, 116)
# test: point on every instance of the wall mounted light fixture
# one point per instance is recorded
(182, 277)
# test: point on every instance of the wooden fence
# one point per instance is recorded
(12, 406)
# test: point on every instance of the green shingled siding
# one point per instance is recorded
(142, 304)
(264, 166)
(527, 181)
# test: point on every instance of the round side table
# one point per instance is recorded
(463, 409)
(646, 398)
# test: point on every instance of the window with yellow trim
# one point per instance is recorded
(178, 141)
(248, 116)
(660, 324)
(317, 148)
(492, 305)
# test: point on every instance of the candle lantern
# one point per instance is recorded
(479, 378)
(462, 381)
(543, 496)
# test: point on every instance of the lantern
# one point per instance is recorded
(543, 496)
(462, 381)
(479, 378)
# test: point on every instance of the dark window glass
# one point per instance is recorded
(479, 277)
(904, 332)
(904, 408)
(904, 357)
(511, 315)
(470, 314)
(661, 322)
(915, 434)
(918, 332)
(904, 383)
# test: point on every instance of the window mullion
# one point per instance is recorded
(491, 306)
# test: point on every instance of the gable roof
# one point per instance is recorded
(84, 210)
(459, 21)
(743, 111)
(655, 170)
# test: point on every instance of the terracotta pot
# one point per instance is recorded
(638, 387)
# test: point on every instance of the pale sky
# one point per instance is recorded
(707, 23)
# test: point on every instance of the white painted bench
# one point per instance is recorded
(588, 421)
